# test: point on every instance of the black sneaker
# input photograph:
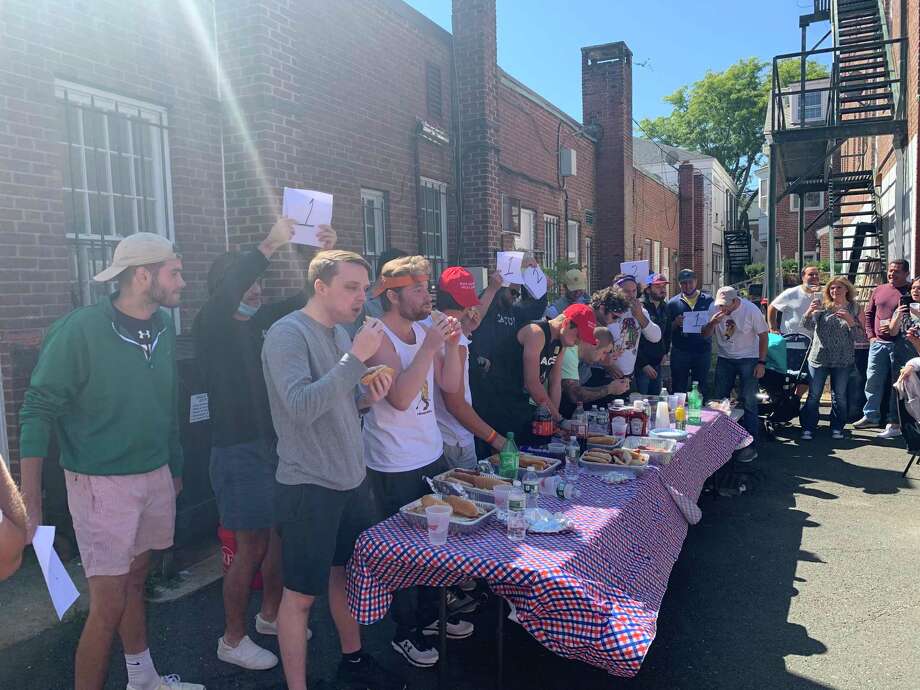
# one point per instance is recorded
(416, 650)
(367, 674)
(459, 601)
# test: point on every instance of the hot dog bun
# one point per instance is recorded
(375, 373)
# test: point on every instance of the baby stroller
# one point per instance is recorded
(786, 370)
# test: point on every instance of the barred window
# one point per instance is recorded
(551, 230)
(373, 204)
(433, 242)
(116, 177)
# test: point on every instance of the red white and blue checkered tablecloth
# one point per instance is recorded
(592, 594)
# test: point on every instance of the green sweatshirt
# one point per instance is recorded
(113, 411)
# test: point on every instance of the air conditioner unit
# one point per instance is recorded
(567, 163)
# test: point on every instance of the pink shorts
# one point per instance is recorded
(119, 517)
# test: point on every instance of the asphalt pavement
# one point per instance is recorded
(810, 580)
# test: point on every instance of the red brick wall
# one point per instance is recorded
(655, 217)
(133, 50)
(527, 169)
(787, 229)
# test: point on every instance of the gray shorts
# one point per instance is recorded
(460, 457)
(243, 479)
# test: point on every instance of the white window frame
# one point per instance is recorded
(589, 260)
(551, 240)
(572, 245)
(83, 242)
(441, 187)
(378, 199)
(794, 202)
(655, 262)
(525, 240)
(717, 275)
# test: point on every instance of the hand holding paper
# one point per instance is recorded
(535, 281)
(509, 265)
(694, 321)
(309, 209)
(637, 269)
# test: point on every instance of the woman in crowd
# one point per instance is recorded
(835, 320)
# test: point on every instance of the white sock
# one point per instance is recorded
(142, 675)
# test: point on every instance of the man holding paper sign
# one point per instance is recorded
(690, 349)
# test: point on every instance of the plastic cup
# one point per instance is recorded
(438, 524)
(502, 491)
(681, 400)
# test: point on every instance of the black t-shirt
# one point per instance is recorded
(229, 352)
(142, 332)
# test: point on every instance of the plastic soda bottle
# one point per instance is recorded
(694, 405)
(509, 458)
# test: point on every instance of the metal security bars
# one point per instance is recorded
(373, 204)
(116, 177)
(433, 226)
(551, 230)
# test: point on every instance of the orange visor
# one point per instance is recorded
(392, 282)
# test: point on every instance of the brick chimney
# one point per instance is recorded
(606, 96)
(690, 221)
(475, 55)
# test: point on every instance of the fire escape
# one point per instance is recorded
(863, 97)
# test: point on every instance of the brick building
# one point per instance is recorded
(188, 118)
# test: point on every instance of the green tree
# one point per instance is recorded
(722, 115)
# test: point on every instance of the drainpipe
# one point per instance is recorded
(220, 127)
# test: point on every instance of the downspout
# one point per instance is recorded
(220, 127)
(458, 151)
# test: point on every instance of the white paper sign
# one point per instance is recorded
(309, 210)
(198, 410)
(639, 269)
(535, 281)
(695, 320)
(509, 265)
(61, 588)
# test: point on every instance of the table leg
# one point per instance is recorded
(442, 632)
(500, 644)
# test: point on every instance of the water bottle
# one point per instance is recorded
(557, 487)
(663, 395)
(531, 485)
(509, 458)
(517, 521)
(571, 459)
(694, 405)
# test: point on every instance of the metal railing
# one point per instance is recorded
(895, 72)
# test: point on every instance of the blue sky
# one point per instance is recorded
(539, 41)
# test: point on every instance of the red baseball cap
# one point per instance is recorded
(583, 317)
(457, 282)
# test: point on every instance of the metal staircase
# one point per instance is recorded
(863, 97)
(737, 253)
(858, 248)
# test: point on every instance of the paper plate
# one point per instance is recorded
(673, 434)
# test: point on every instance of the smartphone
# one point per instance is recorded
(905, 300)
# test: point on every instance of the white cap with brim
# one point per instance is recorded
(726, 295)
(139, 249)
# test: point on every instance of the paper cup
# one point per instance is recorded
(438, 523)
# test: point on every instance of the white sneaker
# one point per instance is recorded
(247, 654)
(456, 629)
(806, 436)
(837, 434)
(416, 650)
(173, 682)
(264, 627)
(889, 432)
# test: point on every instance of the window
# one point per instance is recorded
(665, 263)
(589, 260)
(375, 240)
(433, 90)
(763, 199)
(655, 263)
(511, 215)
(813, 105)
(716, 265)
(433, 203)
(116, 177)
(647, 251)
(814, 201)
(571, 242)
(551, 228)
(525, 240)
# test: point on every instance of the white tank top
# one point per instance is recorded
(397, 440)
